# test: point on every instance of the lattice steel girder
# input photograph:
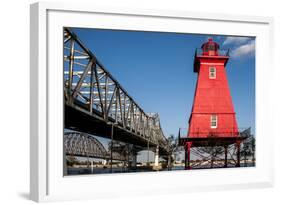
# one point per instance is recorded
(91, 87)
(84, 145)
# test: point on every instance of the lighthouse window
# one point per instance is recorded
(214, 121)
(212, 73)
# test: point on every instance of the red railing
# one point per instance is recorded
(217, 132)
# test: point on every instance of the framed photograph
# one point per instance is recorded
(127, 101)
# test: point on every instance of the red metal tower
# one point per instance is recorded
(212, 120)
(212, 111)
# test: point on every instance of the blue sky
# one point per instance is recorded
(156, 69)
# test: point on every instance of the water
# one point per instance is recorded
(79, 171)
(95, 170)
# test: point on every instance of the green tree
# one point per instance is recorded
(172, 150)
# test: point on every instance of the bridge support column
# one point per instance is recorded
(92, 167)
(134, 161)
(238, 153)
(156, 159)
(225, 155)
(88, 162)
(111, 151)
(148, 153)
(169, 162)
(128, 156)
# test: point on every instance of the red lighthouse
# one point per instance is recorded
(212, 121)
(212, 111)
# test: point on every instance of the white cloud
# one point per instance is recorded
(247, 49)
(235, 40)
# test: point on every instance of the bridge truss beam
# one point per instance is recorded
(83, 145)
(91, 92)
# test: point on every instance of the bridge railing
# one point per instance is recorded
(89, 85)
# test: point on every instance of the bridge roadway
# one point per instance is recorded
(95, 103)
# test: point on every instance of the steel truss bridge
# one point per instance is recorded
(84, 145)
(95, 103)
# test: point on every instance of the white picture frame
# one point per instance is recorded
(46, 176)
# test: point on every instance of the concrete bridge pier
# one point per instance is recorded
(104, 162)
(134, 158)
(92, 166)
(169, 162)
(156, 159)
(134, 161)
